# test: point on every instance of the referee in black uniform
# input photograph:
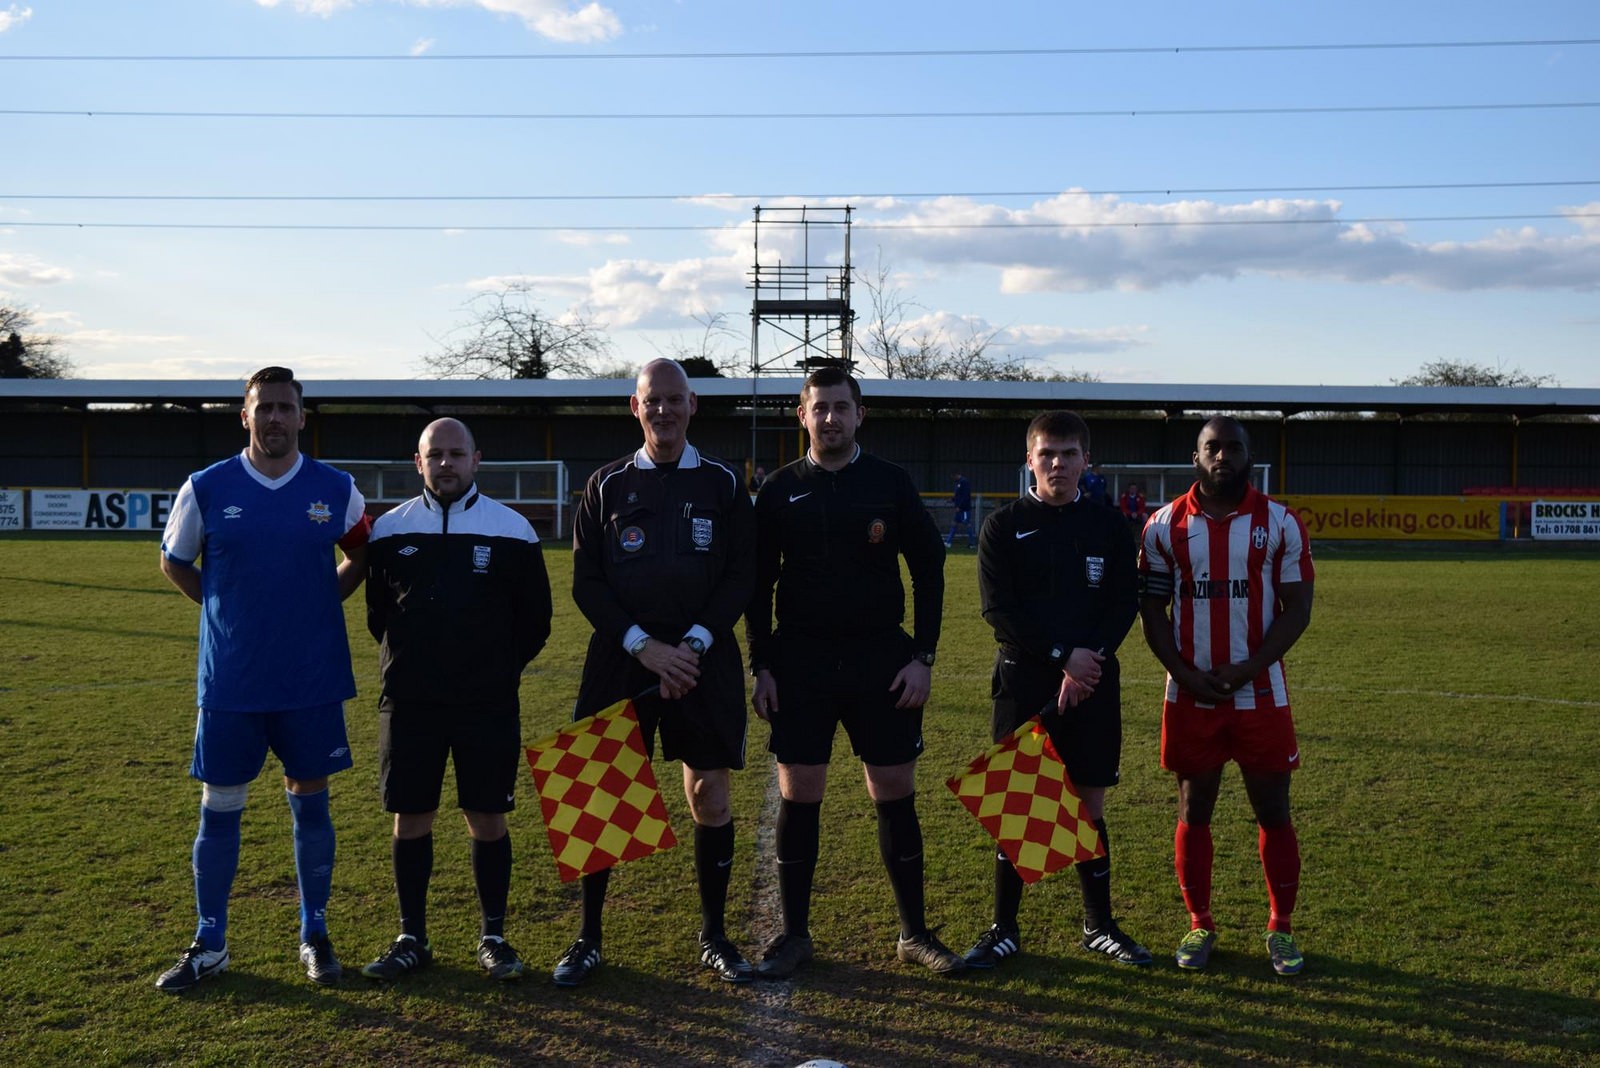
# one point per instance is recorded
(1058, 580)
(663, 565)
(830, 531)
(458, 596)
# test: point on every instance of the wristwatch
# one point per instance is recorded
(695, 645)
(926, 658)
(638, 647)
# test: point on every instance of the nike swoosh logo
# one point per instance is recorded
(1026, 534)
(799, 496)
(725, 863)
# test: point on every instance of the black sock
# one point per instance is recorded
(799, 832)
(1094, 876)
(413, 867)
(900, 845)
(594, 901)
(491, 870)
(713, 867)
(1007, 892)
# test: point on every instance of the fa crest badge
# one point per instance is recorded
(318, 512)
(700, 532)
(1094, 569)
(480, 559)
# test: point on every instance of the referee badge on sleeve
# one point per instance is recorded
(1094, 569)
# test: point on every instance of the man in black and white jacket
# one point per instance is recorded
(459, 599)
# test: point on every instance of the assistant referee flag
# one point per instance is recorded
(1020, 793)
(598, 794)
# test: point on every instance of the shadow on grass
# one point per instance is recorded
(86, 628)
(159, 591)
(1033, 1011)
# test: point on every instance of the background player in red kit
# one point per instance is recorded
(1226, 582)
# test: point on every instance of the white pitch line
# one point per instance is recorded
(769, 1022)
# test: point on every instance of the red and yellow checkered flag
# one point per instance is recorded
(1020, 792)
(598, 794)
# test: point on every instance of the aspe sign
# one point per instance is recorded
(99, 509)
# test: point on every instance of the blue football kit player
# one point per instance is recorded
(274, 663)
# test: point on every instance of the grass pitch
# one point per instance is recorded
(1446, 811)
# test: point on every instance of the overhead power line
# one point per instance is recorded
(858, 53)
(644, 116)
(636, 228)
(344, 198)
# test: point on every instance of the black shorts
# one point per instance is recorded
(415, 739)
(704, 729)
(1089, 737)
(823, 683)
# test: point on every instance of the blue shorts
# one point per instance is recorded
(230, 748)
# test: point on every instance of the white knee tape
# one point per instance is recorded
(224, 798)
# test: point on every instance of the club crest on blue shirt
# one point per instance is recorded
(318, 512)
(875, 531)
(480, 559)
(632, 539)
(1094, 569)
(700, 532)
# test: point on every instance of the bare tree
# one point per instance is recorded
(1462, 373)
(29, 355)
(508, 336)
(883, 342)
(710, 354)
(889, 346)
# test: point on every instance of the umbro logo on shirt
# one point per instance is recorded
(233, 511)
(408, 550)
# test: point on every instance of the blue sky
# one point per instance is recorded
(1297, 288)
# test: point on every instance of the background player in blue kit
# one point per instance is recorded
(961, 519)
(274, 665)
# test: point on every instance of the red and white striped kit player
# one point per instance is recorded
(1223, 576)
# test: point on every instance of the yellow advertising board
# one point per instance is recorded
(1397, 518)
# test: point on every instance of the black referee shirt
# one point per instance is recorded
(831, 542)
(1057, 577)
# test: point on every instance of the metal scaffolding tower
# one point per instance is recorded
(803, 309)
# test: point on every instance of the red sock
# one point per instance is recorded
(1280, 860)
(1192, 853)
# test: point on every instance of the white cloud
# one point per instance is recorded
(422, 45)
(558, 20)
(1082, 243)
(639, 294)
(1026, 341)
(117, 339)
(14, 16)
(21, 269)
(314, 7)
(589, 238)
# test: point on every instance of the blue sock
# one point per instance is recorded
(216, 859)
(313, 859)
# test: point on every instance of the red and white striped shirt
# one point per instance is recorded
(1224, 575)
